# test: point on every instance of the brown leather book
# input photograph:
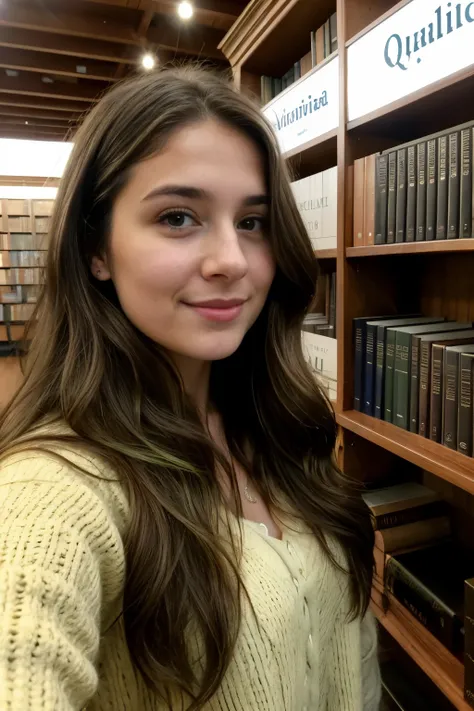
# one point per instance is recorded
(369, 200)
(359, 202)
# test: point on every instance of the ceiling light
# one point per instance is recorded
(148, 61)
(26, 123)
(185, 10)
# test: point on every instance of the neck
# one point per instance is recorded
(195, 375)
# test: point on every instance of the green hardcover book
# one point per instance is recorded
(420, 375)
(437, 377)
(452, 358)
(465, 412)
(380, 348)
(397, 359)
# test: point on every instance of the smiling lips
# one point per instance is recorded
(218, 309)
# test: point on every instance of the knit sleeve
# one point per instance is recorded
(56, 539)
(353, 664)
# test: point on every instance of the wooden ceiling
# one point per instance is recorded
(58, 56)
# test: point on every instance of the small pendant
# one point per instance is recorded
(248, 495)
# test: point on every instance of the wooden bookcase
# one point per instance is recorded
(433, 278)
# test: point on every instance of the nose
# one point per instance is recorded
(223, 255)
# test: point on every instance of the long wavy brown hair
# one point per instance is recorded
(90, 368)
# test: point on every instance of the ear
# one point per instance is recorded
(100, 269)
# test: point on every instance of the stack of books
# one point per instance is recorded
(323, 44)
(419, 191)
(417, 373)
(319, 336)
(316, 199)
(419, 565)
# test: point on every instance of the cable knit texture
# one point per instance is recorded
(62, 571)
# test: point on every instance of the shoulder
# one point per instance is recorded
(62, 482)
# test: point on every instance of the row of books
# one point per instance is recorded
(16, 312)
(417, 561)
(15, 208)
(419, 191)
(23, 258)
(20, 276)
(323, 44)
(12, 241)
(316, 198)
(38, 225)
(324, 321)
(417, 373)
(19, 294)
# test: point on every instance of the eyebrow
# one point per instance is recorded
(189, 192)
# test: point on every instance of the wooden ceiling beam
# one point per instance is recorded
(27, 114)
(56, 44)
(70, 108)
(196, 41)
(22, 180)
(32, 123)
(67, 23)
(33, 86)
(218, 15)
(28, 60)
(31, 135)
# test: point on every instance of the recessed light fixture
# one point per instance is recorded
(26, 123)
(185, 10)
(148, 61)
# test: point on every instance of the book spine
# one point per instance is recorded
(369, 200)
(436, 391)
(465, 415)
(428, 609)
(333, 31)
(389, 369)
(469, 641)
(442, 202)
(381, 181)
(431, 188)
(379, 369)
(472, 164)
(401, 199)
(411, 194)
(313, 49)
(359, 351)
(359, 201)
(421, 191)
(327, 39)
(450, 409)
(401, 380)
(465, 189)
(414, 383)
(424, 392)
(453, 187)
(411, 515)
(392, 198)
(297, 70)
(370, 356)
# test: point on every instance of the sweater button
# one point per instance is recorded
(291, 550)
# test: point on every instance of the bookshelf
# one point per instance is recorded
(377, 107)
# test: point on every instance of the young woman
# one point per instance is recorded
(174, 531)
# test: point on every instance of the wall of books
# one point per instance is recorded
(391, 131)
(24, 227)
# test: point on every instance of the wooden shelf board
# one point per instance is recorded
(325, 253)
(430, 456)
(450, 245)
(431, 656)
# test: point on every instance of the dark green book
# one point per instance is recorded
(401, 338)
(465, 406)
(452, 359)
(380, 329)
(420, 373)
(437, 377)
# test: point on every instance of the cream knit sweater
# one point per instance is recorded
(62, 570)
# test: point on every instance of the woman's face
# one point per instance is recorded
(188, 250)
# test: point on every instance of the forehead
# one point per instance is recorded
(210, 155)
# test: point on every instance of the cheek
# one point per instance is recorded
(262, 268)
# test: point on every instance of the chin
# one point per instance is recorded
(217, 347)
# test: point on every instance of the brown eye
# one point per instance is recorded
(251, 224)
(177, 220)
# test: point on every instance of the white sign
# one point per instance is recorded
(423, 42)
(320, 352)
(308, 109)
